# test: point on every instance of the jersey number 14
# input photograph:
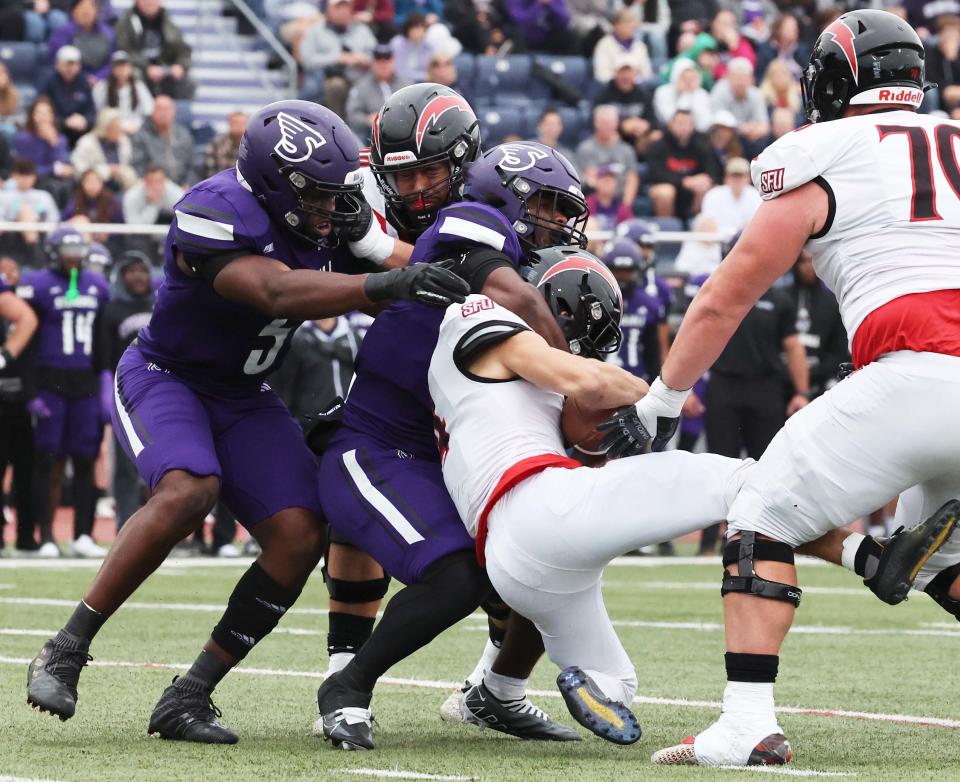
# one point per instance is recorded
(77, 331)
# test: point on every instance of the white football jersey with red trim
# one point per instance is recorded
(893, 181)
(373, 195)
(484, 427)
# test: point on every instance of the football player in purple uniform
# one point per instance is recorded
(68, 299)
(252, 252)
(382, 486)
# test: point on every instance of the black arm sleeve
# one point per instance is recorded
(651, 351)
(476, 264)
(209, 266)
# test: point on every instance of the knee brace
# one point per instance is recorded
(744, 552)
(939, 590)
(254, 609)
(351, 591)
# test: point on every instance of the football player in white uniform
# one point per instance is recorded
(545, 525)
(872, 190)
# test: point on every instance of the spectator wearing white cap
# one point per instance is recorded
(122, 90)
(70, 93)
(92, 37)
(623, 43)
(684, 93)
(733, 203)
(723, 137)
(737, 94)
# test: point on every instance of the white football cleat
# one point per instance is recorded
(450, 709)
(84, 548)
(228, 551)
(48, 550)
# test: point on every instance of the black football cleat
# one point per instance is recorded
(906, 551)
(520, 718)
(187, 713)
(53, 675)
(606, 718)
(347, 719)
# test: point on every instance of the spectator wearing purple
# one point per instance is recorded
(70, 95)
(93, 38)
(603, 202)
(545, 25)
(41, 143)
(411, 50)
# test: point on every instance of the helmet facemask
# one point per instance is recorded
(417, 210)
(324, 208)
(550, 217)
(589, 329)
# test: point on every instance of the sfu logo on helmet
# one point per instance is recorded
(520, 157)
(844, 36)
(298, 141)
(435, 109)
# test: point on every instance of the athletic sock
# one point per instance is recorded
(339, 661)
(206, 673)
(484, 664)
(505, 688)
(861, 554)
(82, 625)
(347, 632)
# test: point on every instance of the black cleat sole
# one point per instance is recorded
(905, 553)
(39, 707)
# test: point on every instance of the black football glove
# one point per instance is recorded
(428, 283)
(845, 369)
(355, 230)
(655, 417)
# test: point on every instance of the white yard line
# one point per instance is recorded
(204, 607)
(398, 774)
(19, 631)
(905, 719)
(8, 778)
(789, 772)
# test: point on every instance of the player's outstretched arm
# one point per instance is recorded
(767, 248)
(24, 320)
(594, 384)
(508, 290)
(273, 288)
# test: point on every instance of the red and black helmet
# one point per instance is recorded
(583, 296)
(865, 57)
(420, 125)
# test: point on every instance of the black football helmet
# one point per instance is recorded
(583, 296)
(420, 125)
(865, 57)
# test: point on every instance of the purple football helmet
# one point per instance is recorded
(536, 188)
(643, 233)
(66, 249)
(302, 163)
(623, 258)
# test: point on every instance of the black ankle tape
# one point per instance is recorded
(256, 605)
(743, 667)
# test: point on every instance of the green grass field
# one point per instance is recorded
(853, 654)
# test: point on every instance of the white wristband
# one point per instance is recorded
(376, 246)
(671, 398)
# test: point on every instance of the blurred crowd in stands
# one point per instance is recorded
(660, 106)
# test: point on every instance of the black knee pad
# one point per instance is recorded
(344, 591)
(939, 590)
(745, 552)
(254, 609)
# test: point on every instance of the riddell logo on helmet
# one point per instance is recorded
(899, 96)
(396, 158)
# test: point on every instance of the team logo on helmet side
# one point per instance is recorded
(587, 265)
(298, 141)
(435, 109)
(844, 36)
(520, 157)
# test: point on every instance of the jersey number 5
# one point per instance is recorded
(923, 204)
(272, 337)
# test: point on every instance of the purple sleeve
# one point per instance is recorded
(523, 12)
(60, 37)
(61, 151)
(69, 210)
(559, 10)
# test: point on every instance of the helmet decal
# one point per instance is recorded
(435, 109)
(586, 264)
(520, 157)
(844, 36)
(298, 141)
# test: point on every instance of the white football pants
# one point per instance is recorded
(550, 537)
(890, 426)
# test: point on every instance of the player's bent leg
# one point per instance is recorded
(759, 599)
(292, 541)
(452, 587)
(356, 584)
(176, 507)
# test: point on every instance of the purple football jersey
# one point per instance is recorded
(215, 345)
(646, 308)
(390, 400)
(67, 325)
